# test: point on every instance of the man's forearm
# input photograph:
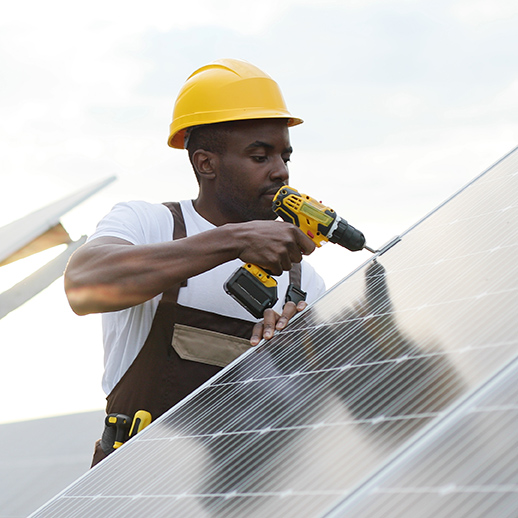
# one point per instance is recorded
(109, 274)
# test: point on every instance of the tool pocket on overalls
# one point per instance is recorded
(209, 347)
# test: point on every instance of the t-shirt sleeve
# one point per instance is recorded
(140, 223)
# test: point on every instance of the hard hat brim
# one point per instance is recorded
(177, 138)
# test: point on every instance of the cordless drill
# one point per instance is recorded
(253, 287)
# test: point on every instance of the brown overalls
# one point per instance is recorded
(171, 365)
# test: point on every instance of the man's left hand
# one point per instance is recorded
(272, 321)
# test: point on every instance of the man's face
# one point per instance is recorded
(252, 169)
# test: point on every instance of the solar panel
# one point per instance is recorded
(33, 284)
(307, 423)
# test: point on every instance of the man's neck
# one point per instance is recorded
(210, 212)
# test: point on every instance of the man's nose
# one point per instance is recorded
(280, 170)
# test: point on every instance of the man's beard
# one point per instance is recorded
(238, 209)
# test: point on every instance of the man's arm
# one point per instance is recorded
(109, 274)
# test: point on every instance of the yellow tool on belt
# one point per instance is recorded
(253, 287)
(121, 423)
(140, 420)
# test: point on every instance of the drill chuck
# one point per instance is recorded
(347, 236)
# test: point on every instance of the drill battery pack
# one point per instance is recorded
(253, 288)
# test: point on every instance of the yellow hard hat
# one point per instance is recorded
(226, 90)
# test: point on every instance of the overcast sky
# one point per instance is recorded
(403, 102)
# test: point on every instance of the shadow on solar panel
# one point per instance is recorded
(304, 424)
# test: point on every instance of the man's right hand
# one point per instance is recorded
(274, 245)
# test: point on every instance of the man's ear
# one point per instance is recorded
(205, 163)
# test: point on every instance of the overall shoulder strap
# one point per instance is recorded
(179, 232)
(296, 275)
(294, 292)
(179, 222)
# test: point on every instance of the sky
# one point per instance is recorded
(404, 102)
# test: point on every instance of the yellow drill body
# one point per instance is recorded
(253, 287)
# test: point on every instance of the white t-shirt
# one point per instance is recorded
(142, 223)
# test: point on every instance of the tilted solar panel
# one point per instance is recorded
(300, 425)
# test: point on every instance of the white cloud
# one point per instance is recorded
(479, 12)
(119, 17)
(404, 105)
(504, 102)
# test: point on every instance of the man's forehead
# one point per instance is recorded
(259, 144)
(261, 133)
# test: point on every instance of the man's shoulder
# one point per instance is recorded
(137, 221)
(142, 211)
(142, 206)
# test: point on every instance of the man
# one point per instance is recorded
(156, 271)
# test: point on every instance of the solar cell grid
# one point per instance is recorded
(297, 424)
(468, 467)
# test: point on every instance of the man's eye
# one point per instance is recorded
(259, 158)
(286, 159)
